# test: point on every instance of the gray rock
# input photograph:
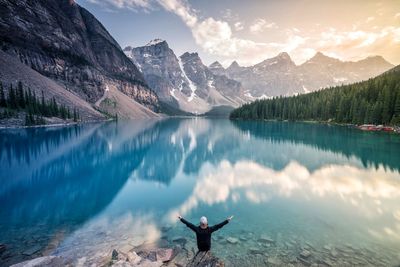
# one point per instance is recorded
(114, 255)
(164, 255)
(133, 258)
(205, 259)
(31, 251)
(47, 261)
(2, 248)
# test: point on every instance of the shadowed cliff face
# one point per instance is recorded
(63, 41)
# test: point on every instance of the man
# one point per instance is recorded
(203, 232)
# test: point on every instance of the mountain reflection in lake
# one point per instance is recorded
(84, 190)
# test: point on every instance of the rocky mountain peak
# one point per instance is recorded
(284, 56)
(321, 58)
(375, 60)
(234, 66)
(128, 48)
(216, 65)
(191, 58)
(282, 59)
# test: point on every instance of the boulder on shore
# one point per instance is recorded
(205, 259)
(43, 261)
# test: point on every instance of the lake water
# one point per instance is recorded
(81, 191)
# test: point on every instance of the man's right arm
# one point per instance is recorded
(188, 224)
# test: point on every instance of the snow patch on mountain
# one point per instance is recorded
(192, 86)
(154, 42)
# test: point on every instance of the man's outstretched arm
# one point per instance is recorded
(220, 225)
(188, 224)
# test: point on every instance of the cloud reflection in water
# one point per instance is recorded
(371, 192)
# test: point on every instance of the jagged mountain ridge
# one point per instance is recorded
(64, 42)
(184, 82)
(281, 76)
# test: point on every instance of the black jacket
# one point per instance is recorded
(204, 235)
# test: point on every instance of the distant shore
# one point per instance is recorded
(363, 127)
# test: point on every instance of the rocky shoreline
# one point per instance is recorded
(143, 257)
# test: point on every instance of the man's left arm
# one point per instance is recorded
(220, 225)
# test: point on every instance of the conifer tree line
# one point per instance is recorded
(19, 99)
(375, 101)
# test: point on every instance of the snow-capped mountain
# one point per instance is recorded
(184, 82)
(281, 76)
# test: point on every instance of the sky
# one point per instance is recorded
(253, 30)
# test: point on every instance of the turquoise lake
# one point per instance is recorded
(82, 191)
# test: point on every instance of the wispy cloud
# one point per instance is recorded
(259, 25)
(130, 4)
(369, 19)
(238, 26)
(220, 36)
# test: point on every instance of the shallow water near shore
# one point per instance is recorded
(293, 188)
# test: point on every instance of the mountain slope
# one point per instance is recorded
(64, 42)
(11, 70)
(184, 82)
(280, 76)
(376, 100)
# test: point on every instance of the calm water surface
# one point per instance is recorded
(82, 191)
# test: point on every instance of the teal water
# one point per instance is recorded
(81, 191)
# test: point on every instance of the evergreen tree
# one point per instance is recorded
(12, 99)
(373, 101)
(3, 102)
(75, 115)
(20, 95)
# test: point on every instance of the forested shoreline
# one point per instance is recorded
(375, 101)
(20, 99)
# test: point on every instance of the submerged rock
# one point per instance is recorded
(179, 239)
(273, 261)
(2, 248)
(164, 255)
(254, 250)
(31, 251)
(232, 240)
(266, 239)
(165, 228)
(304, 261)
(305, 254)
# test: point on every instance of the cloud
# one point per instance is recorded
(259, 25)
(130, 4)
(369, 19)
(219, 37)
(238, 26)
(397, 15)
(372, 191)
